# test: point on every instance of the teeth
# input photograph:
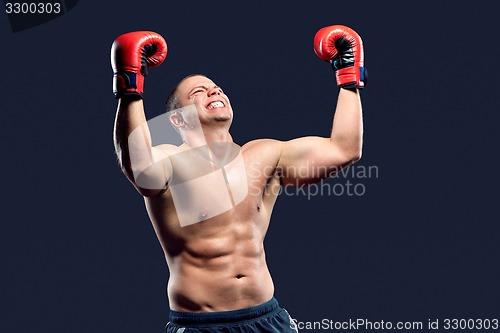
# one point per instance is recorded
(216, 104)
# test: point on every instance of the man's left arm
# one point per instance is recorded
(310, 159)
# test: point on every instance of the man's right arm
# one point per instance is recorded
(148, 168)
(145, 166)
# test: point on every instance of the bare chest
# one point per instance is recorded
(205, 185)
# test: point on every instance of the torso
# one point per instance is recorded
(218, 263)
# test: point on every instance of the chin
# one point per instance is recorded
(222, 118)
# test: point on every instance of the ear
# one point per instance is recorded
(177, 120)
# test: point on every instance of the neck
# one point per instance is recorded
(221, 147)
(217, 136)
(209, 137)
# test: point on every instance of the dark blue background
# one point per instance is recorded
(77, 249)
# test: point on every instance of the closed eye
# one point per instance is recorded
(196, 90)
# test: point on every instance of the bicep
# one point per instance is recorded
(152, 178)
(310, 159)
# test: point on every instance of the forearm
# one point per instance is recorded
(347, 128)
(131, 135)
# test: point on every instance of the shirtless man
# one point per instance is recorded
(219, 280)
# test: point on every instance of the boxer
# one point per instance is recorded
(209, 200)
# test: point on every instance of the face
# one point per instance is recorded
(211, 102)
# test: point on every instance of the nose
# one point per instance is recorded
(215, 91)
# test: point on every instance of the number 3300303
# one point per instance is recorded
(32, 8)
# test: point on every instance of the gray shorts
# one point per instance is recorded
(268, 317)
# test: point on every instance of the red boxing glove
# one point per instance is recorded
(343, 48)
(131, 55)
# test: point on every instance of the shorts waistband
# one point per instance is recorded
(193, 318)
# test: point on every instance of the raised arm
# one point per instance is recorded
(310, 159)
(144, 165)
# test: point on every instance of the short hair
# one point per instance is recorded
(172, 102)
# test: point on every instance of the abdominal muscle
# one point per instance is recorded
(226, 282)
(215, 265)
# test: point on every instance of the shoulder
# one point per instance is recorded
(168, 151)
(262, 144)
(168, 148)
(263, 151)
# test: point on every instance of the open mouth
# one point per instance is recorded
(215, 104)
